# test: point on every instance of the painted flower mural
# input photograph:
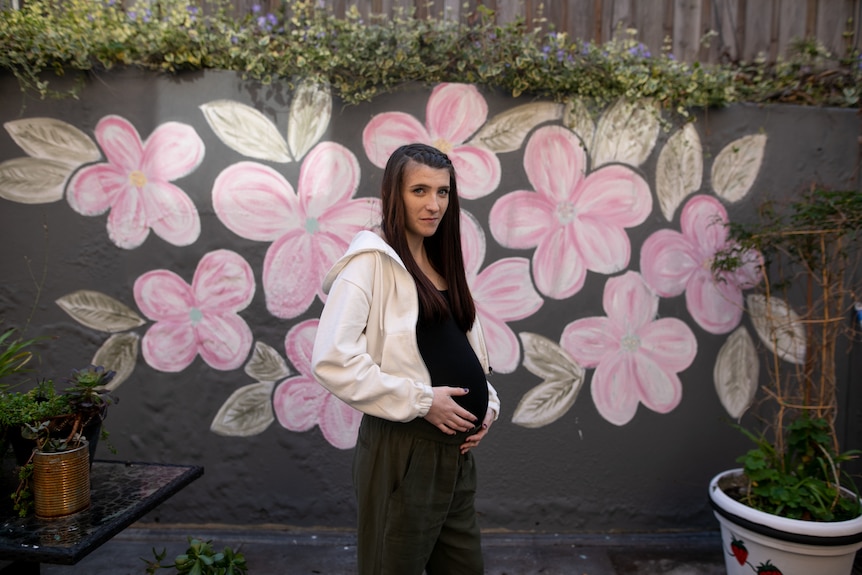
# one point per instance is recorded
(135, 183)
(636, 356)
(675, 262)
(201, 318)
(454, 113)
(502, 291)
(576, 221)
(300, 402)
(309, 228)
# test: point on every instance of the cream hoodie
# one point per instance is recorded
(365, 351)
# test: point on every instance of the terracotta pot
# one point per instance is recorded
(61, 482)
(754, 540)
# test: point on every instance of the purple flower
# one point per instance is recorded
(255, 9)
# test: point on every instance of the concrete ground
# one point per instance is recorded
(279, 552)
(286, 552)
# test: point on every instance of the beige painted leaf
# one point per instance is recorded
(736, 373)
(120, 353)
(52, 139)
(578, 119)
(778, 326)
(33, 180)
(310, 113)
(679, 171)
(626, 132)
(266, 364)
(506, 131)
(246, 130)
(247, 412)
(99, 311)
(736, 167)
(563, 378)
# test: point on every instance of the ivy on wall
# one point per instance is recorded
(361, 59)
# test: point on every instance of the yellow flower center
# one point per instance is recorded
(138, 179)
(443, 145)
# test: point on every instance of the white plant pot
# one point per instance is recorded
(791, 546)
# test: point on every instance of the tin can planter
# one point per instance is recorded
(61, 482)
(757, 542)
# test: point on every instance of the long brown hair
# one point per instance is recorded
(443, 248)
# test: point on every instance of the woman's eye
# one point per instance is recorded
(443, 192)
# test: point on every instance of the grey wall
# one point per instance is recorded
(577, 473)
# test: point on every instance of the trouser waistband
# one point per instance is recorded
(418, 427)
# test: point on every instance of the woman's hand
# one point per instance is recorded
(473, 440)
(446, 414)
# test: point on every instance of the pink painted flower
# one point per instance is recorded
(300, 402)
(309, 229)
(503, 292)
(575, 221)
(454, 112)
(636, 356)
(673, 262)
(199, 319)
(135, 183)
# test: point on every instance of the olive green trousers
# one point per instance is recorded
(415, 498)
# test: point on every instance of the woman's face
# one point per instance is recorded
(425, 193)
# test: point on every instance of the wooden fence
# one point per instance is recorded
(703, 30)
(736, 29)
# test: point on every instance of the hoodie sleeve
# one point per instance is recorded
(341, 362)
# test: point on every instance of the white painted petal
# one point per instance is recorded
(506, 131)
(119, 353)
(778, 326)
(627, 133)
(736, 372)
(246, 130)
(736, 167)
(99, 311)
(247, 412)
(578, 119)
(266, 364)
(52, 139)
(679, 171)
(310, 113)
(33, 180)
(563, 379)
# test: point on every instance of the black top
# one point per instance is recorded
(451, 361)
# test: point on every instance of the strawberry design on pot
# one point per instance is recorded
(768, 569)
(737, 548)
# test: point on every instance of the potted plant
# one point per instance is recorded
(88, 397)
(53, 429)
(792, 507)
(57, 474)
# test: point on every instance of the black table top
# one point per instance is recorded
(120, 494)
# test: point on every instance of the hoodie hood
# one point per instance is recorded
(364, 241)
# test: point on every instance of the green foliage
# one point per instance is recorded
(54, 421)
(39, 404)
(86, 391)
(803, 481)
(15, 355)
(201, 559)
(362, 59)
(810, 250)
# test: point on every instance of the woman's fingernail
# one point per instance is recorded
(466, 389)
(484, 426)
